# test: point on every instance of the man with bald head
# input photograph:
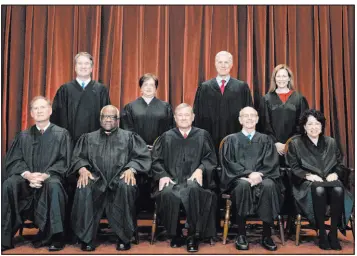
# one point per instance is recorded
(35, 168)
(105, 162)
(183, 162)
(250, 173)
(219, 100)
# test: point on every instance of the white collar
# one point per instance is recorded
(182, 132)
(147, 100)
(246, 133)
(44, 128)
(85, 82)
(313, 140)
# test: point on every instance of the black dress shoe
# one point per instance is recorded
(192, 244)
(268, 243)
(177, 241)
(324, 244)
(121, 246)
(56, 246)
(334, 243)
(241, 242)
(87, 247)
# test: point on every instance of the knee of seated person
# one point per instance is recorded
(268, 183)
(320, 191)
(11, 181)
(122, 186)
(337, 190)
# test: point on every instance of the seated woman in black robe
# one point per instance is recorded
(281, 108)
(316, 163)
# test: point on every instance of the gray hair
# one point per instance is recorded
(183, 105)
(230, 56)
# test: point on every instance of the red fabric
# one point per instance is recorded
(284, 96)
(185, 135)
(222, 86)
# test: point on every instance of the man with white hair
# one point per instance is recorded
(183, 162)
(250, 173)
(219, 100)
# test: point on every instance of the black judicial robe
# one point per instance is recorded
(281, 120)
(48, 153)
(241, 156)
(148, 120)
(178, 158)
(106, 157)
(325, 158)
(78, 110)
(218, 114)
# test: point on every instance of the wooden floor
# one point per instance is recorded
(307, 246)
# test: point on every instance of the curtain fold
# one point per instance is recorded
(178, 44)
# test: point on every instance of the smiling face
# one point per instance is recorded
(313, 127)
(248, 118)
(282, 78)
(83, 67)
(109, 118)
(41, 110)
(184, 117)
(223, 64)
(148, 88)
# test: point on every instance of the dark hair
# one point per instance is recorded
(146, 77)
(85, 54)
(315, 113)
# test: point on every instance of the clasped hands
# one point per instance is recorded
(254, 178)
(85, 175)
(314, 177)
(35, 178)
(165, 181)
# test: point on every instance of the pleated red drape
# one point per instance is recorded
(178, 43)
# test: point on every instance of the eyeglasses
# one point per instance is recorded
(251, 116)
(113, 117)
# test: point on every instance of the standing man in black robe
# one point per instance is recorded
(35, 168)
(183, 161)
(105, 162)
(250, 173)
(219, 100)
(77, 104)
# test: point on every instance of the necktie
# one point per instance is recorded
(249, 136)
(185, 135)
(222, 86)
(42, 131)
(83, 84)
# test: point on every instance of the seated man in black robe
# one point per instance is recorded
(183, 161)
(35, 169)
(250, 173)
(105, 162)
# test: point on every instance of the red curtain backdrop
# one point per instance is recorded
(178, 43)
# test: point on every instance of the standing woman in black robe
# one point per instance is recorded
(316, 163)
(281, 108)
(147, 115)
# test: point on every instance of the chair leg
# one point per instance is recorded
(352, 220)
(226, 220)
(281, 226)
(298, 227)
(153, 227)
(137, 239)
(21, 231)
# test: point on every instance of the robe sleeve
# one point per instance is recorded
(126, 119)
(340, 169)
(59, 109)
(196, 107)
(104, 97)
(158, 165)
(170, 117)
(139, 155)
(231, 167)
(264, 119)
(208, 160)
(14, 162)
(248, 96)
(304, 105)
(60, 167)
(294, 163)
(269, 164)
(80, 156)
